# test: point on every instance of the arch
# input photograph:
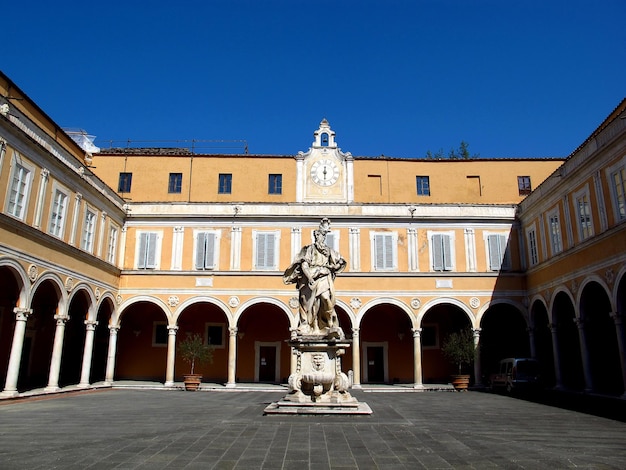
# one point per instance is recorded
(598, 280)
(446, 300)
(56, 282)
(21, 278)
(619, 291)
(349, 313)
(565, 291)
(384, 301)
(206, 299)
(84, 287)
(293, 319)
(142, 298)
(110, 298)
(494, 302)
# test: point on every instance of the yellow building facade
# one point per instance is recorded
(159, 243)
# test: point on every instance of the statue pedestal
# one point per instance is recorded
(318, 386)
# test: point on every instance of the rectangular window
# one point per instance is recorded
(124, 182)
(205, 250)
(112, 245)
(429, 336)
(532, 247)
(159, 333)
(266, 250)
(499, 259)
(225, 183)
(18, 192)
(57, 216)
(275, 184)
(89, 227)
(523, 184)
(384, 252)
(332, 240)
(215, 335)
(618, 179)
(556, 242)
(583, 210)
(175, 184)
(423, 185)
(442, 253)
(147, 254)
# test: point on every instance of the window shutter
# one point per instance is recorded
(495, 258)
(506, 259)
(141, 262)
(379, 247)
(447, 253)
(270, 253)
(266, 251)
(200, 247)
(209, 250)
(388, 260)
(437, 246)
(151, 251)
(330, 240)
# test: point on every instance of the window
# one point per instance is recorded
(147, 250)
(324, 139)
(18, 191)
(159, 333)
(175, 184)
(532, 246)
(215, 335)
(583, 211)
(89, 227)
(225, 183)
(112, 245)
(429, 336)
(556, 242)
(206, 250)
(266, 250)
(275, 184)
(618, 180)
(423, 185)
(332, 240)
(124, 182)
(499, 258)
(523, 184)
(442, 252)
(384, 251)
(57, 216)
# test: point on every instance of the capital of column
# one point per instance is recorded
(22, 314)
(476, 332)
(553, 327)
(91, 324)
(114, 329)
(172, 329)
(416, 332)
(232, 330)
(580, 323)
(355, 332)
(61, 319)
(617, 317)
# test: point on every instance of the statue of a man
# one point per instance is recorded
(313, 271)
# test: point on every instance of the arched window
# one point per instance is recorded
(324, 139)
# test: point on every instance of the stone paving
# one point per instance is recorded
(155, 429)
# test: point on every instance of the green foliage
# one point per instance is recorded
(459, 348)
(193, 350)
(462, 153)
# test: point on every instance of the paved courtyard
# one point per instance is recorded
(154, 429)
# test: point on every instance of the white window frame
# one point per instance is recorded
(198, 237)
(56, 224)
(148, 263)
(501, 259)
(555, 236)
(113, 238)
(610, 173)
(533, 247)
(88, 234)
(451, 265)
(578, 196)
(206, 334)
(256, 252)
(389, 241)
(19, 208)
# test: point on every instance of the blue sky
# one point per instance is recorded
(512, 78)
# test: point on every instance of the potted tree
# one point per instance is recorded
(459, 348)
(194, 351)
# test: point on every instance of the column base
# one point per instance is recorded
(231, 385)
(9, 393)
(356, 386)
(168, 384)
(418, 386)
(49, 389)
(83, 385)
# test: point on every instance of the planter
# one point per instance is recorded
(192, 382)
(460, 382)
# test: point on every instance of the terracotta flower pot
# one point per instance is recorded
(192, 382)
(460, 382)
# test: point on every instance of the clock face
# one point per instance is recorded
(325, 172)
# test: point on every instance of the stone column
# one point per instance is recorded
(478, 371)
(356, 358)
(87, 353)
(532, 343)
(584, 354)
(417, 357)
(171, 355)
(110, 370)
(21, 317)
(621, 347)
(232, 357)
(558, 377)
(57, 353)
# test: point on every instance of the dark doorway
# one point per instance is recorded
(375, 364)
(267, 364)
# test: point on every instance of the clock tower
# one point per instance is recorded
(325, 173)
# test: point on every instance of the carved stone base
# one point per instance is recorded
(317, 385)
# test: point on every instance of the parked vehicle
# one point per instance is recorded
(516, 374)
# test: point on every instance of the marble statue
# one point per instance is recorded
(313, 271)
